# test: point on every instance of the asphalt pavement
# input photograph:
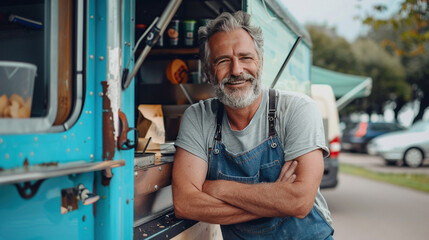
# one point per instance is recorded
(371, 210)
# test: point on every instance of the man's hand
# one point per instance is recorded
(288, 172)
(292, 194)
(286, 175)
(189, 199)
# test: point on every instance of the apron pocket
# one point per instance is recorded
(249, 180)
(269, 172)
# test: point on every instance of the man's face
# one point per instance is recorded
(235, 65)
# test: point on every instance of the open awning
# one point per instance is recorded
(346, 86)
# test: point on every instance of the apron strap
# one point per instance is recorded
(219, 118)
(272, 105)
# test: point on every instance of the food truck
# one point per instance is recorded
(91, 97)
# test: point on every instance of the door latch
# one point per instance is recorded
(70, 198)
(123, 142)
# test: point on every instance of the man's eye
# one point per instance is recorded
(223, 61)
(246, 58)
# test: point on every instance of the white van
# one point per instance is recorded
(325, 99)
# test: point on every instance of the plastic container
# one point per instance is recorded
(16, 89)
(173, 32)
(189, 32)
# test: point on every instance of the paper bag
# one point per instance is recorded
(150, 123)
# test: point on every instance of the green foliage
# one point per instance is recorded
(386, 71)
(406, 34)
(330, 51)
(411, 21)
(364, 57)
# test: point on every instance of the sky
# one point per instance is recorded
(340, 14)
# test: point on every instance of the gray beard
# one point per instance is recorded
(238, 98)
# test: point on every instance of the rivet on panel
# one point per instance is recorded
(80, 123)
(101, 58)
(86, 112)
(68, 149)
(91, 56)
(32, 154)
(21, 155)
(65, 136)
(72, 134)
(89, 138)
(92, 16)
(90, 112)
(91, 156)
(136, 173)
(6, 156)
(100, 94)
(1, 140)
(156, 187)
(77, 149)
(35, 139)
(91, 93)
(160, 168)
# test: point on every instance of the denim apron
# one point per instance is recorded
(261, 164)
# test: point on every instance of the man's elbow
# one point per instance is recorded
(303, 210)
(180, 209)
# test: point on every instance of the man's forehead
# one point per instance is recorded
(239, 39)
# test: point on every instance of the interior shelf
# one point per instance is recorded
(174, 51)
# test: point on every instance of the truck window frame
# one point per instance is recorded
(45, 124)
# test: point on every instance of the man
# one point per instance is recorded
(250, 159)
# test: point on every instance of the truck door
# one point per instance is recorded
(58, 177)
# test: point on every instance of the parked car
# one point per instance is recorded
(323, 95)
(411, 145)
(356, 136)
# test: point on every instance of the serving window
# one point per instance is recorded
(40, 65)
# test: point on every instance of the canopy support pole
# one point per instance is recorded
(348, 97)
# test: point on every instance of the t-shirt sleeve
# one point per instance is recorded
(304, 129)
(190, 136)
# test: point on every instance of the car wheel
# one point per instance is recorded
(413, 157)
(390, 162)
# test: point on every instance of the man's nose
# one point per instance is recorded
(236, 67)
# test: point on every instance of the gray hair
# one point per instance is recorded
(227, 22)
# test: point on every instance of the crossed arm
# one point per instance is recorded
(229, 202)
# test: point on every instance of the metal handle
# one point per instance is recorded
(153, 37)
(298, 39)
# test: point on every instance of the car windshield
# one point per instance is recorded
(420, 126)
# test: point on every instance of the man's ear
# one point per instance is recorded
(208, 75)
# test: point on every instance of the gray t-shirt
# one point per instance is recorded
(298, 124)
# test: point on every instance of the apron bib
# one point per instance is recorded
(261, 164)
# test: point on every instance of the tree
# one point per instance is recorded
(411, 21)
(363, 57)
(388, 76)
(408, 37)
(417, 69)
(331, 51)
